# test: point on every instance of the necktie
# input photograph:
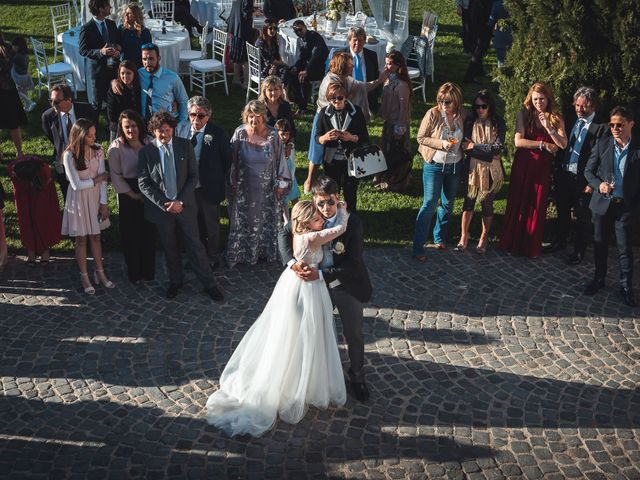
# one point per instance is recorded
(104, 32)
(149, 103)
(194, 139)
(68, 126)
(357, 69)
(572, 154)
(169, 174)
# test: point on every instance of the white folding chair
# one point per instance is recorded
(50, 74)
(187, 56)
(61, 20)
(163, 9)
(401, 14)
(211, 71)
(77, 12)
(418, 82)
(255, 70)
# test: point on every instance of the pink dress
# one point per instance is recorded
(80, 217)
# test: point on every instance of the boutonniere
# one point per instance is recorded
(208, 139)
(338, 248)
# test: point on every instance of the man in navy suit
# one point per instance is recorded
(167, 176)
(365, 62)
(100, 44)
(613, 171)
(213, 154)
(585, 127)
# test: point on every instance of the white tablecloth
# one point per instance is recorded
(169, 45)
(289, 40)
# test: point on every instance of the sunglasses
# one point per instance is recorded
(322, 203)
(148, 46)
(445, 102)
(616, 126)
(337, 98)
(297, 31)
(199, 115)
(57, 102)
(272, 28)
(482, 106)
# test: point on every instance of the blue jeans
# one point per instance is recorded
(436, 182)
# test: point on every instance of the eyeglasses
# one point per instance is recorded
(148, 46)
(322, 203)
(445, 102)
(57, 102)
(616, 126)
(337, 98)
(482, 106)
(199, 115)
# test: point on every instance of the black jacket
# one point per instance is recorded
(116, 104)
(348, 267)
(372, 73)
(600, 166)
(313, 55)
(214, 164)
(284, 112)
(357, 126)
(278, 9)
(53, 130)
(91, 42)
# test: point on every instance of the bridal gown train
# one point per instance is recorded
(289, 357)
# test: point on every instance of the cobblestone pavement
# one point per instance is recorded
(479, 367)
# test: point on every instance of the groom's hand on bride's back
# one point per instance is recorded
(305, 272)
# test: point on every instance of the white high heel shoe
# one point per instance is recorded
(107, 283)
(88, 290)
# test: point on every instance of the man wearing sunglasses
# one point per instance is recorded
(572, 190)
(310, 65)
(344, 271)
(213, 155)
(56, 125)
(613, 172)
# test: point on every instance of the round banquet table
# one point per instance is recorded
(210, 10)
(289, 40)
(170, 44)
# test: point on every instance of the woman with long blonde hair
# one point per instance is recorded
(539, 134)
(133, 33)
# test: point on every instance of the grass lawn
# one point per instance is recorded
(388, 217)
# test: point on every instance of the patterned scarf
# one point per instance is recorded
(484, 177)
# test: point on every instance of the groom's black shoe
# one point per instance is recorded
(360, 391)
(173, 290)
(215, 293)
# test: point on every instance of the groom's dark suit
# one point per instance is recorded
(349, 286)
(151, 182)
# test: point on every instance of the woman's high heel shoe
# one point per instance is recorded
(88, 290)
(107, 283)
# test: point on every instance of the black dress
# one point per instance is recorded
(269, 53)
(284, 112)
(240, 26)
(13, 115)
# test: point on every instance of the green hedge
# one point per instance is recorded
(570, 43)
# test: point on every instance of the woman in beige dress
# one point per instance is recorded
(86, 206)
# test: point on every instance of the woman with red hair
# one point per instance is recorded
(539, 134)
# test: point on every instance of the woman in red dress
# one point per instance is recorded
(539, 134)
(37, 206)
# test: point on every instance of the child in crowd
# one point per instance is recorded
(285, 132)
(20, 72)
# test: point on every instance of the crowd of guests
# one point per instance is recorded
(172, 167)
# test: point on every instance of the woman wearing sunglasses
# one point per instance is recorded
(483, 176)
(341, 128)
(539, 134)
(271, 61)
(439, 140)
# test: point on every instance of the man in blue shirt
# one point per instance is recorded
(613, 172)
(160, 87)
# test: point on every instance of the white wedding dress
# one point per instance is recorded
(289, 357)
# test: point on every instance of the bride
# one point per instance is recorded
(289, 357)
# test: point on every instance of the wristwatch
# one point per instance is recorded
(282, 184)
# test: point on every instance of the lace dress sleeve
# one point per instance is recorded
(317, 239)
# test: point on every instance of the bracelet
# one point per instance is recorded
(552, 131)
(541, 143)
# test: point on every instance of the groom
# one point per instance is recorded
(344, 271)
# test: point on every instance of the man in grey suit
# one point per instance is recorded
(167, 176)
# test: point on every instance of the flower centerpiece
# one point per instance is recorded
(337, 11)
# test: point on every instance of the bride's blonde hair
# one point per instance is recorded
(301, 214)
